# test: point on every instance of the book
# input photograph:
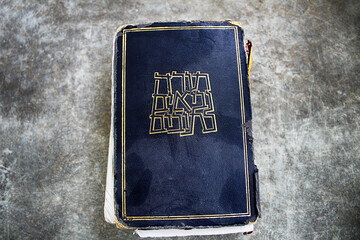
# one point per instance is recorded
(180, 152)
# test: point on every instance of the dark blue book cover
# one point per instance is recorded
(182, 126)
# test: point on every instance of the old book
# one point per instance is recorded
(180, 152)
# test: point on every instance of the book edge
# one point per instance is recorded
(109, 206)
(173, 232)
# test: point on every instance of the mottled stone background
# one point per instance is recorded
(55, 76)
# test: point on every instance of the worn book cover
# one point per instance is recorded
(180, 152)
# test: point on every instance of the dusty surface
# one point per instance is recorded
(55, 70)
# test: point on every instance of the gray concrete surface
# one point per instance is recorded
(55, 71)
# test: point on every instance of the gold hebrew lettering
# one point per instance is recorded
(180, 102)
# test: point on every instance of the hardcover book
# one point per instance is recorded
(180, 152)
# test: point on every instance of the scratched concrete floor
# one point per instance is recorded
(55, 63)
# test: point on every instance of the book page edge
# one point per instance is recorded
(194, 231)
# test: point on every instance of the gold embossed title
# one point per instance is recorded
(179, 99)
